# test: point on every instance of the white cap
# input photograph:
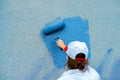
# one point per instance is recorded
(76, 47)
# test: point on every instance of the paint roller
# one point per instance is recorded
(53, 26)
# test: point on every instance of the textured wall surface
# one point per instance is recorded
(23, 55)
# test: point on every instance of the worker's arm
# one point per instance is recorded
(60, 44)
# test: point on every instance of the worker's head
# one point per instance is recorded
(80, 63)
(77, 55)
(76, 47)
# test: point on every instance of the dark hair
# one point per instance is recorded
(81, 65)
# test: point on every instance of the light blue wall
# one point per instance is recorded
(23, 55)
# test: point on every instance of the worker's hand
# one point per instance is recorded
(60, 44)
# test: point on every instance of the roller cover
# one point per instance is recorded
(53, 26)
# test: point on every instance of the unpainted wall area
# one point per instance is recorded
(23, 55)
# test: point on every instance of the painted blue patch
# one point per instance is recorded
(115, 71)
(75, 29)
(103, 62)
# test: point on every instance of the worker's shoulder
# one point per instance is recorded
(92, 72)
